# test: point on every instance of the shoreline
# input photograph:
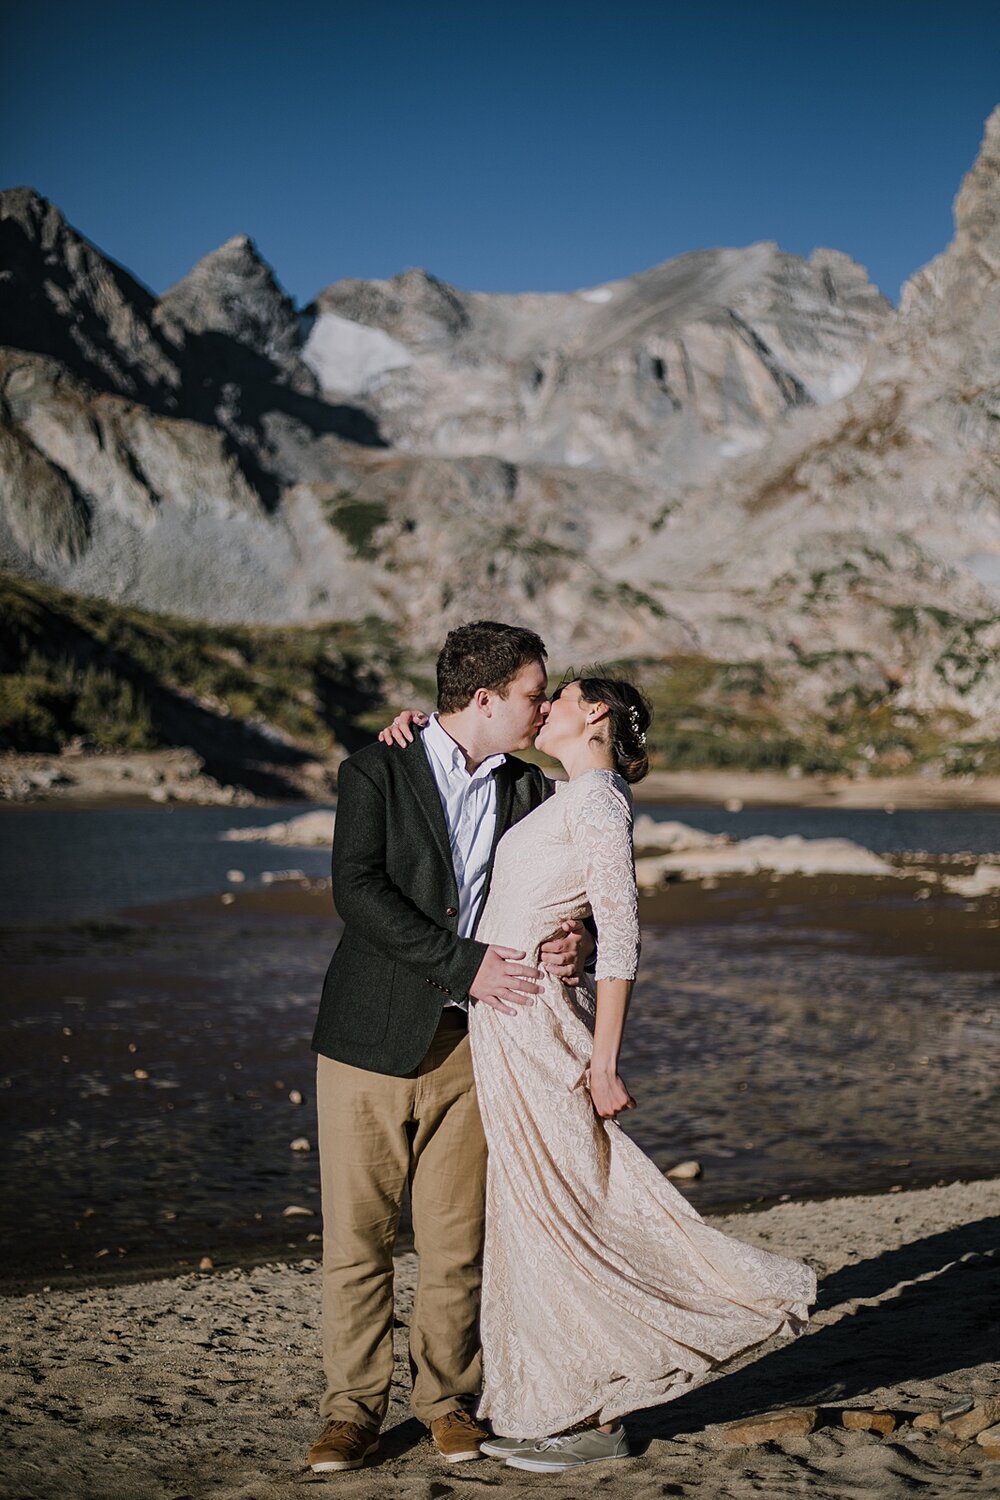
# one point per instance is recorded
(176, 778)
(147, 1268)
(765, 789)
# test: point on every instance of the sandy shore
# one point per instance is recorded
(206, 1385)
(764, 789)
(180, 776)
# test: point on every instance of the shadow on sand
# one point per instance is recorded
(939, 1312)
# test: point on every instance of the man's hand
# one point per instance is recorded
(399, 731)
(565, 953)
(503, 981)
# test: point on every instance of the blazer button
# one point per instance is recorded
(451, 911)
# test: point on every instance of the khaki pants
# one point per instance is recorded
(376, 1132)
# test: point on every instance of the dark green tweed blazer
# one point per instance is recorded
(400, 957)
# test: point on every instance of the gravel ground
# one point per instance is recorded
(207, 1384)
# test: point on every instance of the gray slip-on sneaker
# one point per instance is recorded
(501, 1447)
(571, 1449)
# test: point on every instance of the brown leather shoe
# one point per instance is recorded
(457, 1436)
(342, 1445)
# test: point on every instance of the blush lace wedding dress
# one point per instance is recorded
(603, 1289)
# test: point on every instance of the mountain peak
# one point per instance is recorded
(25, 203)
(233, 290)
(61, 296)
(977, 206)
(960, 288)
(240, 249)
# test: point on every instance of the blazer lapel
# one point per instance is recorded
(505, 801)
(418, 769)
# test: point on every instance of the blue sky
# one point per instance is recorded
(505, 147)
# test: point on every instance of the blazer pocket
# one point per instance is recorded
(358, 988)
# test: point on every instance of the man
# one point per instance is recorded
(413, 848)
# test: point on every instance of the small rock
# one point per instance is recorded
(294, 1211)
(945, 1443)
(300, 1143)
(140, 1073)
(227, 899)
(963, 1404)
(235, 877)
(796, 1420)
(294, 1097)
(975, 1420)
(872, 1419)
(685, 1170)
(989, 1441)
(206, 1263)
(159, 794)
(927, 1421)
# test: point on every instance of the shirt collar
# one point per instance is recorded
(451, 757)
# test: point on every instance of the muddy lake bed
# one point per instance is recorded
(799, 1037)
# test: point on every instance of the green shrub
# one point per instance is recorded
(357, 521)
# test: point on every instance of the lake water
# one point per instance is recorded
(67, 864)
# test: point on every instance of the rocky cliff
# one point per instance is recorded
(736, 457)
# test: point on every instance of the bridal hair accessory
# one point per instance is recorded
(633, 718)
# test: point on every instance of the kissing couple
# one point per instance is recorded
(466, 1052)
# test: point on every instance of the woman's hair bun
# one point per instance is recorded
(630, 717)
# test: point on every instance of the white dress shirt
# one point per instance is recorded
(469, 803)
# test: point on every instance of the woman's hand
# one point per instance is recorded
(399, 731)
(608, 1093)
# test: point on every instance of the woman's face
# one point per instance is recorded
(566, 721)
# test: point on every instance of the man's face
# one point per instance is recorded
(517, 718)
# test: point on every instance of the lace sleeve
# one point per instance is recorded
(600, 823)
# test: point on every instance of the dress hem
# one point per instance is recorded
(793, 1322)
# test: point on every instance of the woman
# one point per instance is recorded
(603, 1289)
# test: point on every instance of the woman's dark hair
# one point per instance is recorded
(484, 654)
(629, 717)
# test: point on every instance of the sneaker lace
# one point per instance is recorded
(338, 1425)
(561, 1439)
(463, 1418)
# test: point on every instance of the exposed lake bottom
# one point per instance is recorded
(797, 1038)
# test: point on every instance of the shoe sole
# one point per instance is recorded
(329, 1465)
(459, 1458)
(535, 1466)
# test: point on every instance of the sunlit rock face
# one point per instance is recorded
(60, 296)
(233, 293)
(871, 527)
(738, 453)
(660, 375)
